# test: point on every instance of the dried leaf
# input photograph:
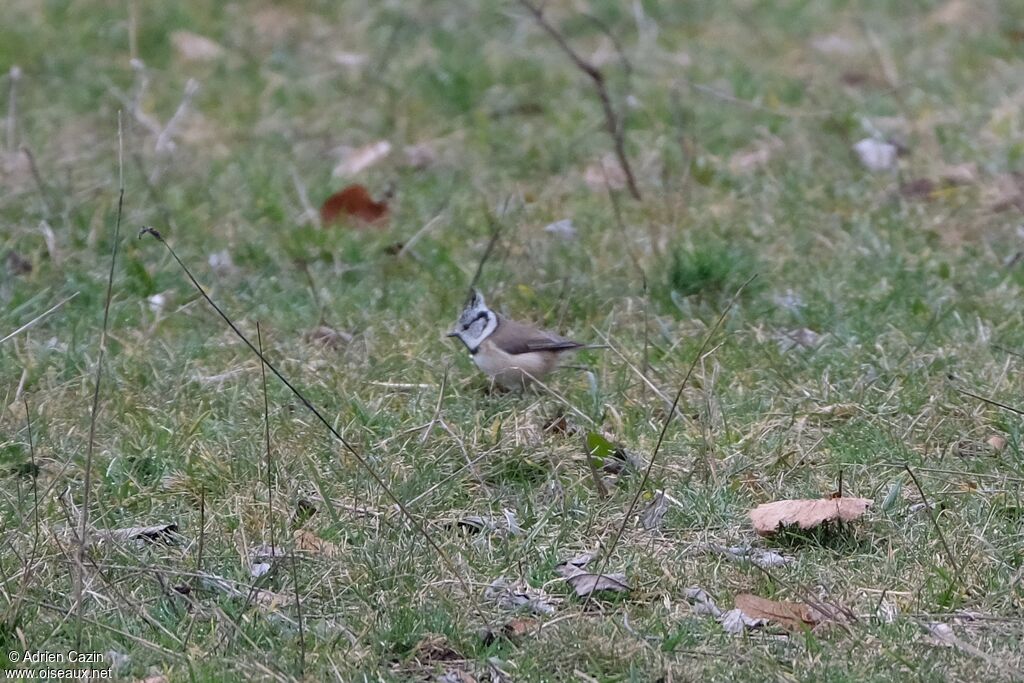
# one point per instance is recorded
(193, 47)
(766, 559)
(942, 634)
(563, 228)
(919, 188)
(221, 262)
(605, 174)
(350, 60)
(435, 648)
(654, 513)
(308, 542)
(837, 411)
(735, 621)
(17, 264)
(265, 599)
(259, 569)
(574, 564)
(838, 45)
(353, 202)
(506, 525)
(768, 517)
(517, 628)
(457, 676)
(802, 338)
(754, 156)
(790, 615)
(325, 335)
(361, 158)
(702, 602)
(585, 583)
(996, 442)
(876, 155)
(421, 155)
(514, 595)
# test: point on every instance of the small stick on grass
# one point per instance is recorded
(39, 317)
(266, 430)
(359, 458)
(495, 234)
(991, 402)
(938, 529)
(298, 614)
(606, 556)
(611, 119)
(83, 532)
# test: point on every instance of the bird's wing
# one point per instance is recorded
(515, 338)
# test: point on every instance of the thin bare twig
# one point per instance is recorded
(991, 402)
(39, 317)
(266, 430)
(935, 522)
(87, 486)
(612, 120)
(298, 614)
(606, 556)
(359, 458)
(495, 234)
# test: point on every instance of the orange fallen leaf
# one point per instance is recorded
(807, 514)
(791, 615)
(353, 202)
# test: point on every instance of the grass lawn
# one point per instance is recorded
(881, 297)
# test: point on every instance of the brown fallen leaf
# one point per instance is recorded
(605, 175)
(807, 514)
(790, 615)
(435, 648)
(919, 188)
(308, 542)
(327, 336)
(353, 202)
(17, 264)
(996, 442)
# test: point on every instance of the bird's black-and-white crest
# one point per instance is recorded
(475, 323)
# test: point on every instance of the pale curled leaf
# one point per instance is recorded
(563, 228)
(702, 602)
(574, 564)
(735, 621)
(806, 514)
(193, 47)
(355, 160)
(876, 155)
(585, 583)
(766, 559)
(653, 515)
(515, 595)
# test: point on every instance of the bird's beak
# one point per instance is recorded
(452, 333)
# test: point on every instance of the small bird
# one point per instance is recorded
(512, 354)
